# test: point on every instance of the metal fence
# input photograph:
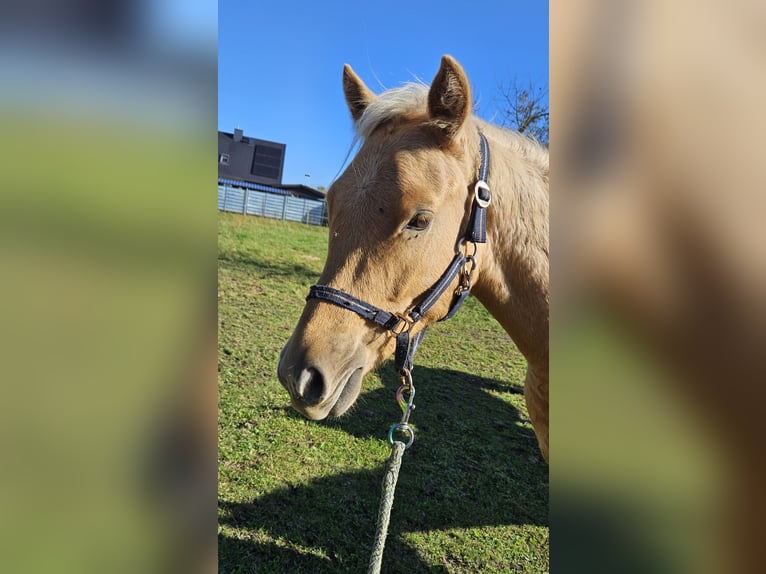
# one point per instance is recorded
(251, 202)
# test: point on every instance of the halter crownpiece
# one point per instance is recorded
(401, 325)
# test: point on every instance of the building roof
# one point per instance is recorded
(300, 190)
(296, 189)
(254, 186)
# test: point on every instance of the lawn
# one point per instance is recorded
(299, 496)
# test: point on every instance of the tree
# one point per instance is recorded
(525, 109)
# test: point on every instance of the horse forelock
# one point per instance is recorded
(407, 102)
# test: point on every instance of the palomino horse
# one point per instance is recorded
(398, 215)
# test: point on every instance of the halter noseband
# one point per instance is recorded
(400, 325)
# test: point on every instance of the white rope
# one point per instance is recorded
(386, 501)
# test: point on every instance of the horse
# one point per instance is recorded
(406, 209)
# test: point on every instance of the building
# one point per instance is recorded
(250, 159)
(256, 164)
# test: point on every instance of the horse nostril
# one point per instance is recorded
(310, 386)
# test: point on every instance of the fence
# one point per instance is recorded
(251, 202)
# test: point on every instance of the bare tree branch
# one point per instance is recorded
(525, 109)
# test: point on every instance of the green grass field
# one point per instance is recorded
(301, 496)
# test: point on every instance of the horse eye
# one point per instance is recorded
(420, 221)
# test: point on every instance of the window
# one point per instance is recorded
(267, 161)
(223, 159)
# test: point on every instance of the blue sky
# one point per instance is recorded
(280, 63)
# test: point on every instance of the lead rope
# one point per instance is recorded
(392, 467)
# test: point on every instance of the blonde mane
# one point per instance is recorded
(518, 144)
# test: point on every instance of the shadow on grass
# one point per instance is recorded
(473, 464)
(269, 268)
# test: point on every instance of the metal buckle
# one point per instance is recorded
(481, 184)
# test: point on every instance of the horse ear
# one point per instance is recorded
(358, 95)
(449, 99)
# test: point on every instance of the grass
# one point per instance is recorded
(300, 496)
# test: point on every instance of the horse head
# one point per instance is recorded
(395, 221)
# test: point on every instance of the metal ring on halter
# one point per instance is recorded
(472, 260)
(481, 184)
(407, 405)
(404, 325)
(462, 243)
(403, 427)
(405, 377)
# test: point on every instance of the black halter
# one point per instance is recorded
(462, 264)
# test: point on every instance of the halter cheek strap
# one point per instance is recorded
(477, 225)
(401, 325)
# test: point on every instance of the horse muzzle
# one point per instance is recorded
(318, 388)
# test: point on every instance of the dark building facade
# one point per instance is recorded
(249, 159)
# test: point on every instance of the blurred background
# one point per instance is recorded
(107, 417)
(658, 279)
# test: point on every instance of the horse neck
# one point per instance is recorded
(512, 280)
